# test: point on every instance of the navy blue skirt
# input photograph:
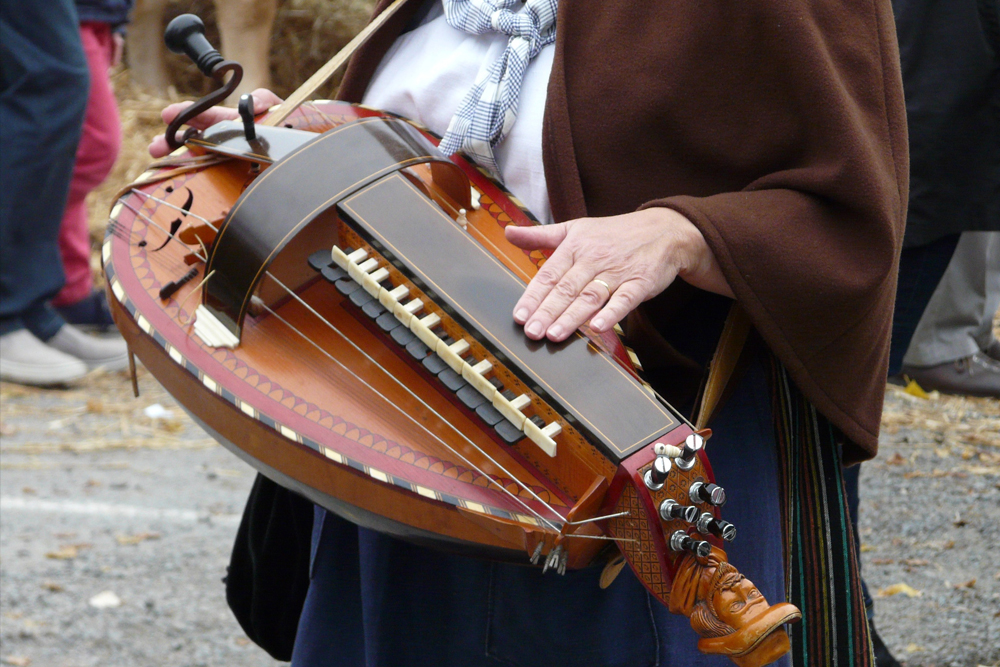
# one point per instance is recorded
(375, 601)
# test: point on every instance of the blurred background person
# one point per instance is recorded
(43, 95)
(948, 289)
(102, 26)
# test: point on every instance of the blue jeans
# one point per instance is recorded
(43, 96)
(375, 601)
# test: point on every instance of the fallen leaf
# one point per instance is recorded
(105, 600)
(52, 586)
(867, 547)
(971, 583)
(6, 430)
(94, 405)
(914, 389)
(916, 562)
(914, 648)
(64, 553)
(17, 661)
(883, 561)
(942, 452)
(959, 521)
(243, 641)
(896, 460)
(28, 490)
(905, 589)
(137, 538)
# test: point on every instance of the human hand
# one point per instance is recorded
(637, 255)
(263, 99)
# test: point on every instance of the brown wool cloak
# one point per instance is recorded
(777, 127)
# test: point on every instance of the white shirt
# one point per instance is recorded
(427, 72)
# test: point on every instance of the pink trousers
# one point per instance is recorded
(95, 156)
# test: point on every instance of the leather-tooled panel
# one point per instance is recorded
(296, 190)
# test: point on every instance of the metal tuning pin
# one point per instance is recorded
(657, 473)
(713, 494)
(681, 541)
(709, 525)
(670, 509)
(689, 455)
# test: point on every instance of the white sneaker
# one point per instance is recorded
(26, 360)
(111, 354)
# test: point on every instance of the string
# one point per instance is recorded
(418, 399)
(388, 374)
(329, 324)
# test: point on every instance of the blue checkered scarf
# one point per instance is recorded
(488, 111)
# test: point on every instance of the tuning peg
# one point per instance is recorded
(708, 524)
(689, 455)
(681, 541)
(670, 509)
(657, 473)
(712, 494)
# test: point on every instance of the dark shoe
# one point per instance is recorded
(993, 350)
(89, 314)
(882, 656)
(975, 375)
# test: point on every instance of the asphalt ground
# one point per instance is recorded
(117, 517)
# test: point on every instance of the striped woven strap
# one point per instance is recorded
(822, 573)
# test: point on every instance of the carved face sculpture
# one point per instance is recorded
(729, 612)
(736, 600)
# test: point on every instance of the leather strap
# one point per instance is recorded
(734, 335)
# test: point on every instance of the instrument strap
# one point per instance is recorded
(734, 336)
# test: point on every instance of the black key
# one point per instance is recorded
(508, 394)
(347, 287)
(471, 398)
(489, 414)
(373, 309)
(496, 383)
(434, 364)
(417, 349)
(508, 432)
(320, 260)
(361, 297)
(452, 380)
(403, 336)
(333, 273)
(537, 421)
(387, 322)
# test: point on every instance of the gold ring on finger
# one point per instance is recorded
(601, 282)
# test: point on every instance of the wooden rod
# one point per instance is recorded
(306, 90)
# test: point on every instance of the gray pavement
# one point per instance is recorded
(116, 527)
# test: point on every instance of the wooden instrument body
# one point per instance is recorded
(322, 398)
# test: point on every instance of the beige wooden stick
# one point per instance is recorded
(306, 90)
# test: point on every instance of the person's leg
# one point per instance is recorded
(43, 88)
(946, 351)
(920, 270)
(95, 156)
(991, 289)
(43, 92)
